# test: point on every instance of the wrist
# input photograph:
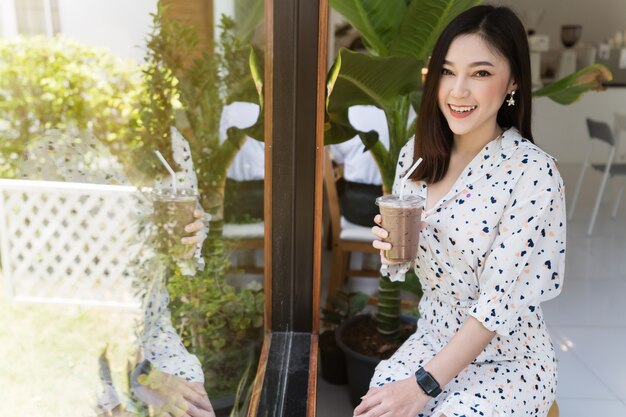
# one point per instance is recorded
(427, 383)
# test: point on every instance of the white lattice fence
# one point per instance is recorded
(68, 243)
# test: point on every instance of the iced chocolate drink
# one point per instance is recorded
(172, 212)
(401, 218)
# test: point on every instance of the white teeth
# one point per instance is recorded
(462, 109)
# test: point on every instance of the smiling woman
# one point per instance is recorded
(492, 248)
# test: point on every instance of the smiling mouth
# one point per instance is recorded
(461, 109)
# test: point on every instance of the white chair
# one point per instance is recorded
(601, 131)
(246, 237)
(346, 237)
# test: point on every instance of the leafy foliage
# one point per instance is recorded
(188, 87)
(342, 306)
(218, 322)
(571, 88)
(59, 84)
(191, 93)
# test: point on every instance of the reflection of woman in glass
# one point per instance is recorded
(492, 243)
(170, 379)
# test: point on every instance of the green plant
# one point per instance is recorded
(191, 96)
(399, 35)
(58, 83)
(220, 323)
(343, 306)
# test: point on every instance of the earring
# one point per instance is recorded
(511, 101)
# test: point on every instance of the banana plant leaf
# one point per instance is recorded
(250, 14)
(376, 20)
(358, 78)
(422, 23)
(337, 128)
(257, 130)
(571, 88)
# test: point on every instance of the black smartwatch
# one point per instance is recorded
(427, 383)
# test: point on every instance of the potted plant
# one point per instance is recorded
(339, 308)
(399, 36)
(222, 325)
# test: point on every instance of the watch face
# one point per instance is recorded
(428, 383)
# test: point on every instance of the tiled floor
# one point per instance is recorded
(587, 321)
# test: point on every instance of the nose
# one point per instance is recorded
(459, 88)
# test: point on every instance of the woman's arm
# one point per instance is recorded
(405, 398)
(465, 346)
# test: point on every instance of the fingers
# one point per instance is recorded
(381, 245)
(197, 396)
(191, 240)
(422, 225)
(194, 411)
(198, 214)
(194, 227)
(378, 219)
(178, 408)
(367, 405)
(379, 232)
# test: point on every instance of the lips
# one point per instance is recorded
(461, 112)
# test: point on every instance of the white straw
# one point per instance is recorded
(169, 169)
(407, 175)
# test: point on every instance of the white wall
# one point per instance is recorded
(600, 19)
(562, 131)
(119, 25)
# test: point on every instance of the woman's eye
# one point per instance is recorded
(482, 73)
(445, 71)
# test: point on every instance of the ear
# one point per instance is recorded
(512, 86)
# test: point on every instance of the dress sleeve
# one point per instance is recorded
(161, 344)
(525, 263)
(405, 160)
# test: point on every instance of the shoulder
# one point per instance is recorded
(532, 163)
(516, 144)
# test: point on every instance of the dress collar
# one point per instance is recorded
(489, 158)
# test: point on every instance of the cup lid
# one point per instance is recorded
(396, 201)
(169, 192)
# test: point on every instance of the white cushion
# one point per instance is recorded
(351, 231)
(244, 231)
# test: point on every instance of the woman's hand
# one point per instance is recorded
(194, 227)
(380, 243)
(172, 396)
(398, 399)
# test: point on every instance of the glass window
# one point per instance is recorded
(107, 311)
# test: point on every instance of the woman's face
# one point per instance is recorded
(474, 84)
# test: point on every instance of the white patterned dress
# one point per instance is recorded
(492, 248)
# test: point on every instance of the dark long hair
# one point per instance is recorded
(502, 30)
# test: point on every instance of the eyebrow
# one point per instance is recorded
(473, 64)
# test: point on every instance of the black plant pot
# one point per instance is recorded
(360, 367)
(333, 360)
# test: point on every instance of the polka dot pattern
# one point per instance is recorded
(493, 248)
(161, 344)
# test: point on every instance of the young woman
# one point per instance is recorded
(492, 243)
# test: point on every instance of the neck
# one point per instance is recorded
(471, 144)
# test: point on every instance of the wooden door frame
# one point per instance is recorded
(294, 90)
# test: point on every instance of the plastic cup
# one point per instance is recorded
(401, 218)
(172, 212)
